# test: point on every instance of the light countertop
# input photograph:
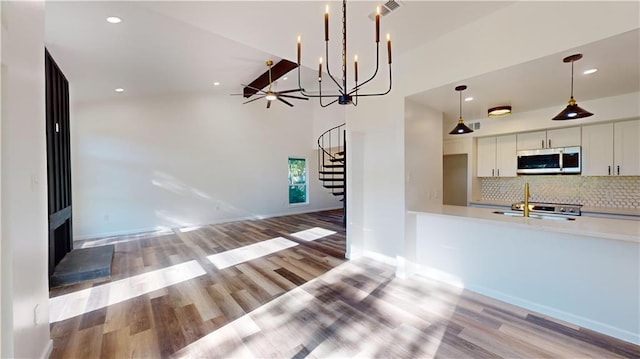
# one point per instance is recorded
(584, 209)
(607, 228)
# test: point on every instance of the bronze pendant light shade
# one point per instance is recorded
(460, 128)
(572, 111)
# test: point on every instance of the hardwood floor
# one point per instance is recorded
(210, 292)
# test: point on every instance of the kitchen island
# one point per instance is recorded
(585, 271)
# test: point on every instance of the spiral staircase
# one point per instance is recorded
(332, 163)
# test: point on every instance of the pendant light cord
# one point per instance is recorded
(572, 79)
(460, 104)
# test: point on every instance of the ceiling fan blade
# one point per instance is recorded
(254, 99)
(288, 91)
(253, 88)
(296, 97)
(268, 103)
(288, 103)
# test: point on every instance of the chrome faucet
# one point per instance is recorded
(526, 199)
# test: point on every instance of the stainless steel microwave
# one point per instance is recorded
(550, 160)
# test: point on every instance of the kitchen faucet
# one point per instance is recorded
(526, 199)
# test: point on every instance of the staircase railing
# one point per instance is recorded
(332, 162)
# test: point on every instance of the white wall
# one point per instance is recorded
(423, 156)
(375, 176)
(173, 161)
(24, 192)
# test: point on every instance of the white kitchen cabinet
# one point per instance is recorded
(626, 148)
(597, 150)
(531, 140)
(611, 149)
(496, 156)
(553, 138)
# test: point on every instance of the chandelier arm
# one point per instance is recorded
(374, 74)
(329, 104)
(300, 85)
(381, 93)
(320, 96)
(326, 51)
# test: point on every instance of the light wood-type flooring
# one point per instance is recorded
(280, 288)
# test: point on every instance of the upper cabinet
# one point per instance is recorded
(611, 149)
(562, 137)
(497, 156)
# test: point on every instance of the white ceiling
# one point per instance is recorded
(175, 46)
(165, 47)
(546, 82)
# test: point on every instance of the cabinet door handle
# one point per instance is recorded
(542, 143)
(498, 170)
(549, 143)
(493, 173)
(609, 170)
(618, 170)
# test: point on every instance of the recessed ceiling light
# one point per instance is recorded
(114, 19)
(119, 90)
(468, 99)
(285, 78)
(216, 84)
(590, 71)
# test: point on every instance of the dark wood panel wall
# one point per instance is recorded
(58, 162)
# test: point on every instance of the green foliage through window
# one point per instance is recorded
(297, 180)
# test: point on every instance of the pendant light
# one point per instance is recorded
(573, 111)
(460, 128)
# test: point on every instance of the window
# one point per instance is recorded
(297, 180)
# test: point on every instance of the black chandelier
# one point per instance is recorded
(345, 95)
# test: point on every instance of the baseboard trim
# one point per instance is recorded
(47, 350)
(125, 232)
(381, 258)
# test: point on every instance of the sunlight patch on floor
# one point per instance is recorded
(77, 303)
(243, 254)
(313, 234)
(90, 243)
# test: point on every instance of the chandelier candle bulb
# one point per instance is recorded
(378, 24)
(326, 24)
(320, 70)
(389, 48)
(355, 68)
(298, 50)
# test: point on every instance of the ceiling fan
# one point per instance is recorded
(270, 94)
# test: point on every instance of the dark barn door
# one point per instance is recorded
(58, 162)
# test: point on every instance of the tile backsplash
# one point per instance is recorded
(607, 191)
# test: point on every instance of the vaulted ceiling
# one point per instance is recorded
(165, 47)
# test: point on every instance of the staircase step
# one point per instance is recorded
(333, 186)
(337, 159)
(331, 172)
(338, 193)
(333, 166)
(331, 179)
(341, 153)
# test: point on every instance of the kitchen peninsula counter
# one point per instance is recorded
(585, 271)
(607, 228)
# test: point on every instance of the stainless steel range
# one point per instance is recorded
(549, 208)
